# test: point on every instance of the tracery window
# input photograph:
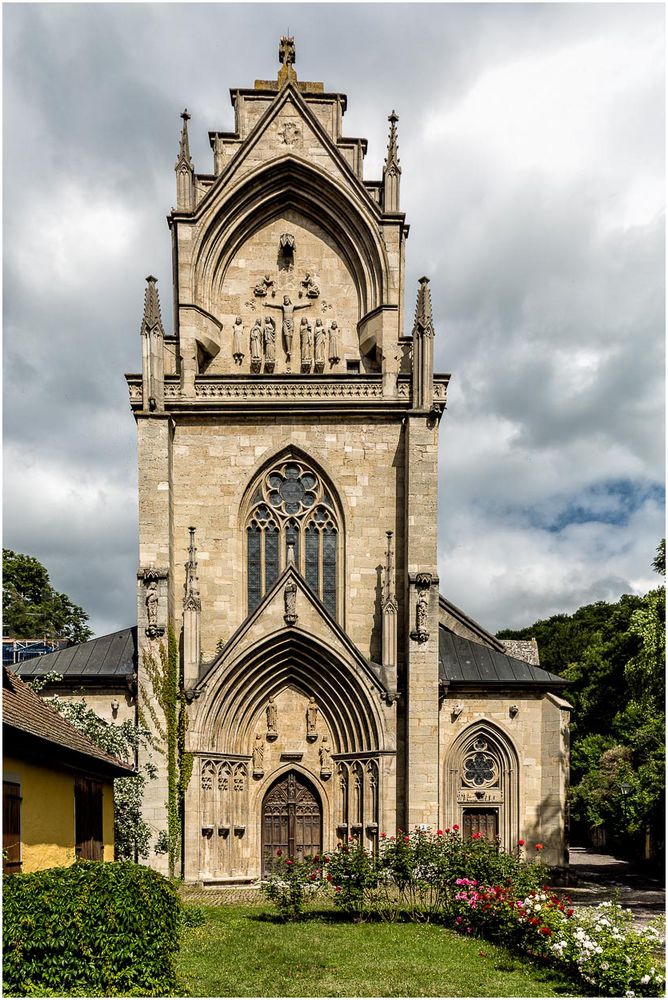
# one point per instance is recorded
(292, 510)
(480, 767)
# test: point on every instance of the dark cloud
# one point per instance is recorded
(532, 153)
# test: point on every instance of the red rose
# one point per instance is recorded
(447, 829)
(539, 847)
(393, 838)
(569, 913)
(316, 857)
(383, 835)
(439, 833)
(329, 878)
(407, 840)
(278, 853)
(288, 861)
(455, 826)
(521, 843)
(546, 931)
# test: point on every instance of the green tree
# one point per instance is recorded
(614, 657)
(32, 608)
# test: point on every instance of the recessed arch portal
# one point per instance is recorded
(291, 819)
(482, 783)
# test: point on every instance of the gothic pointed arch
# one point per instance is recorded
(239, 211)
(236, 695)
(291, 514)
(482, 777)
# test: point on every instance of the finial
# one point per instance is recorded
(184, 144)
(287, 58)
(151, 317)
(423, 317)
(192, 598)
(392, 159)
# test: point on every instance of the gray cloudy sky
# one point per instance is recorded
(531, 141)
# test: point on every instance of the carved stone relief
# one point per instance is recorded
(272, 719)
(312, 720)
(290, 598)
(422, 584)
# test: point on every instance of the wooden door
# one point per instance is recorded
(291, 820)
(88, 819)
(481, 821)
(11, 827)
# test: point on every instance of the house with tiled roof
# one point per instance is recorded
(58, 795)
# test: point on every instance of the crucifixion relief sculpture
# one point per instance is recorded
(288, 309)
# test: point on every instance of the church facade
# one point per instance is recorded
(288, 442)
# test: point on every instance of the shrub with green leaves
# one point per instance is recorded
(291, 882)
(93, 929)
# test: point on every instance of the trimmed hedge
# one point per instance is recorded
(93, 929)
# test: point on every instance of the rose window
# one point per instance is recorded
(480, 768)
(292, 516)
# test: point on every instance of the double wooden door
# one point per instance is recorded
(484, 822)
(291, 819)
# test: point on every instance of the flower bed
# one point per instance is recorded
(476, 888)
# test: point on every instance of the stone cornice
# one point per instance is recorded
(261, 392)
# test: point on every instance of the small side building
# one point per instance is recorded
(58, 794)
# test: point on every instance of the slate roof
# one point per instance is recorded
(29, 722)
(463, 662)
(107, 657)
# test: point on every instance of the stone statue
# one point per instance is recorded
(319, 344)
(290, 599)
(310, 288)
(288, 311)
(311, 717)
(263, 286)
(325, 760)
(256, 344)
(306, 336)
(238, 340)
(421, 610)
(334, 349)
(152, 604)
(272, 717)
(258, 755)
(269, 340)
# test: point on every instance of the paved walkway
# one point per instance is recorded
(600, 877)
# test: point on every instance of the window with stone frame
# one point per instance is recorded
(480, 765)
(292, 515)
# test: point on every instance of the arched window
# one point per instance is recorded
(292, 517)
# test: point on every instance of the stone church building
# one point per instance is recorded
(288, 436)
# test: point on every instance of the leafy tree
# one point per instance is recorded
(613, 655)
(31, 607)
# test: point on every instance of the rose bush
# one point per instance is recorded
(292, 882)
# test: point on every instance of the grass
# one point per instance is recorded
(243, 951)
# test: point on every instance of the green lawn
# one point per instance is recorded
(243, 951)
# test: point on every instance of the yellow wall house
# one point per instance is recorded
(58, 796)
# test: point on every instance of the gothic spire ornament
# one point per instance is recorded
(391, 168)
(185, 171)
(287, 58)
(153, 363)
(423, 349)
(192, 608)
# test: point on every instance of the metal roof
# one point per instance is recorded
(461, 661)
(109, 656)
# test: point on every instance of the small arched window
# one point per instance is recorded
(292, 517)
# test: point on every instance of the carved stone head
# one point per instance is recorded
(286, 300)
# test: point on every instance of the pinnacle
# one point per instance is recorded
(151, 316)
(423, 316)
(184, 143)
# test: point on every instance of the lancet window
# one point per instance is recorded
(292, 517)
